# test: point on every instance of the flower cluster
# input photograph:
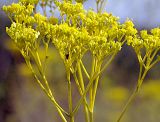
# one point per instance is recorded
(19, 13)
(70, 9)
(146, 46)
(76, 32)
(101, 33)
(24, 37)
(70, 41)
(106, 33)
(21, 31)
(80, 31)
(146, 41)
(151, 41)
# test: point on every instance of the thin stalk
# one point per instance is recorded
(90, 84)
(96, 86)
(100, 4)
(38, 59)
(79, 88)
(147, 59)
(97, 5)
(152, 57)
(84, 69)
(80, 76)
(82, 97)
(83, 88)
(43, 6)
(154, 63)
(94, 66)
(91, 116)
(108, 62)
(140, 71)
(127, 104)
(39, 65)
(133, 95)
(91, 88)
(86, 114)
(10, 18)
(142, 78)
(70, 104)
(45, 58)
(59, 109)
(77, 83)
(154, 53)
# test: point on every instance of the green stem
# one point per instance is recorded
(90, 84)
(97, 5)
(100, 4)
(83, 88)
(70, 104)
(154, 53)
(140, 71)
(80, 76)
(96, 85)
(46, 57)
(77, 83)
(39, 65)
(94, 63)
(91, 115)
(147, 60)
(127, 104)
(86, 114)
(10, 18)
(59, 109)
(154, 63)
(94, 90)
(108, 62)
(133, 95)
(79, 88)
(142, 79)
(82, 97)
(84, 69)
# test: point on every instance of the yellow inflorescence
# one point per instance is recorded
(74, 33)
(80, 31)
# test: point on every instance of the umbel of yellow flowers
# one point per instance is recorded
(75, 33)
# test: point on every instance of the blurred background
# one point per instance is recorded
(21, 100)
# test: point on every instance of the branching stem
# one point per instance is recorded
(59, 109)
